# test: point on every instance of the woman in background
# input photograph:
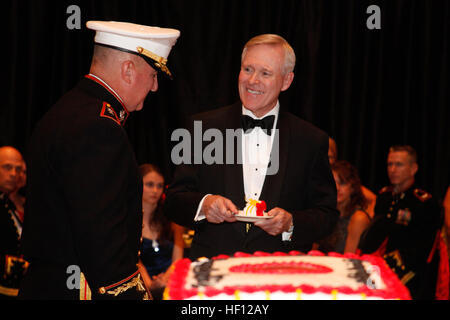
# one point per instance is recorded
(162, 241)
(352, 205)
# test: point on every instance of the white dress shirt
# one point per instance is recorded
(256, 148)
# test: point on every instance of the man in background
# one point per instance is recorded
(407, 220)
(12, 266)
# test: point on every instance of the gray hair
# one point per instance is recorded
(276, 40)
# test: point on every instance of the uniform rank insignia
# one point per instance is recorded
(422, 195)
(108, 111)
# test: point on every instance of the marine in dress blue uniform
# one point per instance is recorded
(403, 231)
(12, 266)
(84, 206)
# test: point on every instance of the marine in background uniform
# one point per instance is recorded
(12, 266)
(83, 220)
(404, 231)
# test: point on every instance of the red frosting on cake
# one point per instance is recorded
(260, 207)
(280, 268)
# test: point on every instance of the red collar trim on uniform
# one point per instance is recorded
(108, 88)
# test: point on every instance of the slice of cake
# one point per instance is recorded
(285, 276)
(254, 208)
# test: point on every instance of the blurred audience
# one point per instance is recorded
(352, 205)
(12, 266)
(162, 241)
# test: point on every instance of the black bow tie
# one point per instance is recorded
(266, 123)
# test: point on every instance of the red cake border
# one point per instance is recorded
(175, 288)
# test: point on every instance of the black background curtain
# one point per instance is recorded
(369, 89)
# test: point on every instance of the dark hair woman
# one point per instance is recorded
(162, 241)
(352, 205)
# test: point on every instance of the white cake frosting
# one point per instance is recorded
(285, 276)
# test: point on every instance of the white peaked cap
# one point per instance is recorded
(151, 43)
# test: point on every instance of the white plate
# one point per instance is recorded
(244, 218)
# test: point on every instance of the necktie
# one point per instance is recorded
(266, 123)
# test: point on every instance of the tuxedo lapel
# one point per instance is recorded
(234, 178)
(234, 188)
(234, 184)
(234, 181)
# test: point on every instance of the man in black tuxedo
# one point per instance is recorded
(281, 159)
